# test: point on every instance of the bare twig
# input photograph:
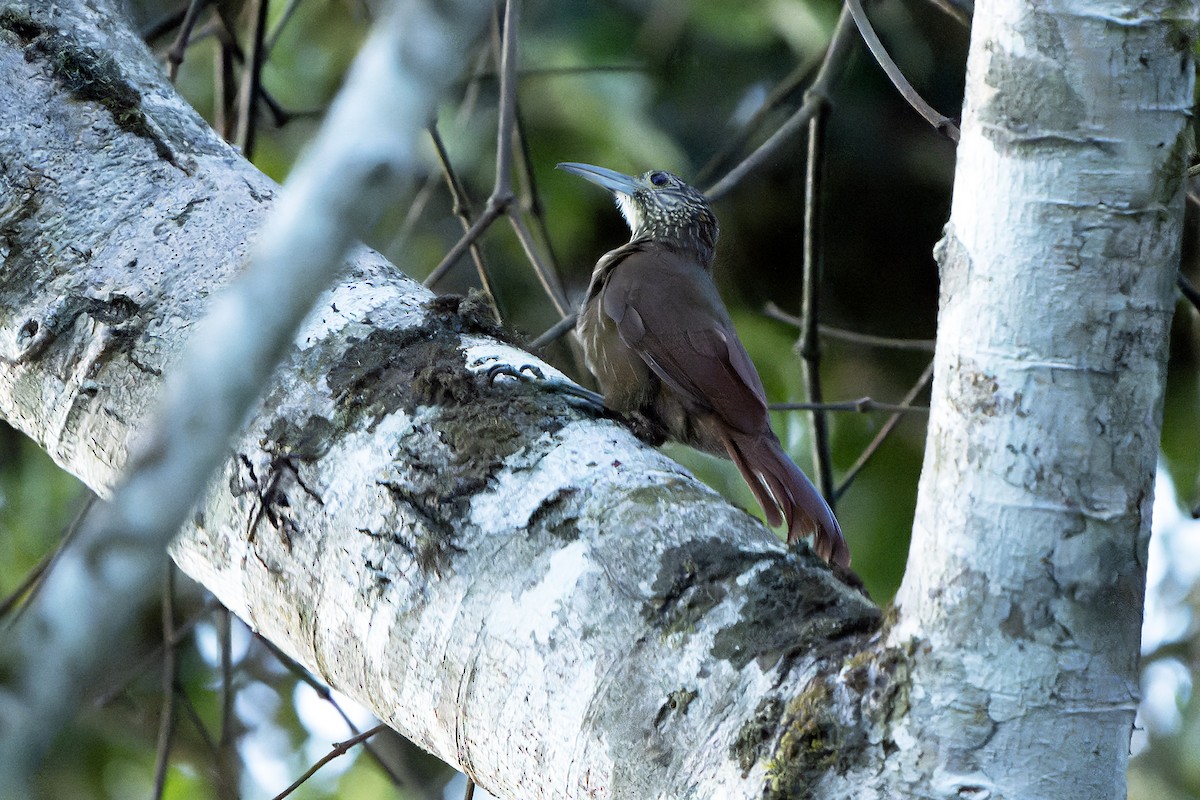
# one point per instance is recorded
(166, 722)
(339, 749)
(837, 56)
(501, 200)
(810, 346)
(29, 585)
(502, 192)
(228, 760)
(926, 345)
(252, 79)
(556, 330)
(862, 405)
(490, 214)
(940, 122)
(462, 209)
(179, 47)
(954, 10)
(1190, 292)
(780, 92)
(532, 201)
(885, 431)
(284, 18)
(546, 276)
(149, 659)
(409, 781)
(224, 83)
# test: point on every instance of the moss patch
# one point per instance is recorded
(790, 608)
(88, 75)
(810, 746)
(756, 733)
(477, 426)
(692, 580)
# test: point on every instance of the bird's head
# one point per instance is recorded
(658, 206)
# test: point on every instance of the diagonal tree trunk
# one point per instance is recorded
(528, 593)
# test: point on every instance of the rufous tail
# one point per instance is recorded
(787, 495)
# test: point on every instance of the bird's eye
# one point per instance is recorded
(659, 178)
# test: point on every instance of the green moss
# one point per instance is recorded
(813, 740)
(478, 422)
(88, 74)
(756, 733)
(809, 747)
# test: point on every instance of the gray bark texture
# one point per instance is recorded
(528, 592)
(525, 591)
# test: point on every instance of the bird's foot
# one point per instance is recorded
(532, 372)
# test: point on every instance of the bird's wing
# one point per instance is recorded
(667, 309)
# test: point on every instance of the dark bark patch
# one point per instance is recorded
(790, 608)
(306, 441)
(692, 580)
(475, 425)
(756, 734)
(88, 75)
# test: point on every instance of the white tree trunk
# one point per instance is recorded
(1024, 588)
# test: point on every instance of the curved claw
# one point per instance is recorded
(496, 370)
(532, 372)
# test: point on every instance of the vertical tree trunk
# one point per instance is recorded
(1025, 580)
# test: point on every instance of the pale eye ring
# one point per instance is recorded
(659, 178)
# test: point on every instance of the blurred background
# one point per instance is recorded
(690, 87)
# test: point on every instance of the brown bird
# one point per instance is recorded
(664, 350)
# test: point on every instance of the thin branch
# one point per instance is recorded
(810, 345)
(837, 56)
(940, 122)
(780, 92)
(885, 431)
(532, 202)
(545, 275)
(179, 46)
(925, 345)
(152, 657)
(228, 759)
(252, 79)
(955, 11)
(490, 214)
(502, 189)
(462, 209)
(224, 83)
(408, 781)
(862, 405)
(166, 23)
(170, 668)
(469, 794)
(33, 580)
(501, 200)
(1188, 289)
(339, 749)
(284, 18)
(556, 331)
(189, 710)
